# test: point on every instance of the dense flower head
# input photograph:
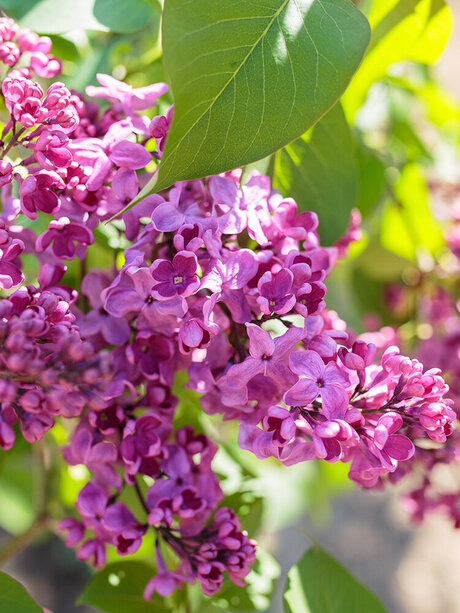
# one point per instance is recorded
(221, 278)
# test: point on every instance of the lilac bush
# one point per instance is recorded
(221, 277)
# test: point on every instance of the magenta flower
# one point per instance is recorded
(265, 356)
(9, 53)
(392, 446)
(64, 234)
(51, 151)
(23, 99)
(159, 128)
(281, 424)
(131, 293)
(6, 173)
(114, 330)
(132, 99)
(293, 225)
(37, 193)
(275, 292)
(328, 381)
(176, 278)
(359, 356)
(436, 419)
(98, 457)
(10, 249)
(328, 436)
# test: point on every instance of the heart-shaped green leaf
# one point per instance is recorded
(250, 77)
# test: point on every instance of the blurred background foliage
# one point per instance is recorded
(394, 134)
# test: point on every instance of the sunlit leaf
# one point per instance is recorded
(319, 171)
(319, 584)
(249, 77)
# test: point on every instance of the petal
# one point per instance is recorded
(333, 375)
(260, 342)
(102, 453)
(400, 447)
(130, 155)
(167, 218)
(335, 401)
(307, 363)
(115, 330)
(118, 517)
(256, 440)
(241, 267)
(391, 421)
(302, 393)
(92, 500)
(239, 374)
(288, 340)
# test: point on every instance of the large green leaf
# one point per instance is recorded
(101, 15)
(319, 584)
(401, 30)
(13, 597)
(250, 77)
(319, 171)
(119, 588)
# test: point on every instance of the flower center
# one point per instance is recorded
(178, 279)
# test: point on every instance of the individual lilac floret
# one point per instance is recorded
(390, 445)
(10, 249)
(436, 418)
(159, 128)
(293, 225)
(318, 380)
(265, 356)
(176, 278)
(281, 423)
(131, 99)
(37, 193)
(274, 292)
(6, 173)
(64, 234)
(51, 150)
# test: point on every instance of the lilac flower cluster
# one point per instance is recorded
(47, 370)
(221, 278)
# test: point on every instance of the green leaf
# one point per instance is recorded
(250, 77)
(371, 183)
(319, 584)
(319, 171)
(102, 15)
(17, 8)
(119, 588)
(128, 16)
(14, 597)
(401, 30)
